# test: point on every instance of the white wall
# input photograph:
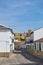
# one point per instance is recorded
(37, 46)
(30, 38)
(38, 34)
(4, 47)
(5, 39)
(33, 46)
(27, 39)
(23, 46)
(4, 35)
(10, 40)
(41, 46)
(10, 37)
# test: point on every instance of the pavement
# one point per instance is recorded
(20, 58)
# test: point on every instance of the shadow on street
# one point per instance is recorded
(28, 64)
(29, 57)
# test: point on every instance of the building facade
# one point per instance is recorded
(6, 41)
(36, 48)
(38, 39)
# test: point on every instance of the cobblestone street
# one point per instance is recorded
(20, 58)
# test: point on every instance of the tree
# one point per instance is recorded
(29, 31)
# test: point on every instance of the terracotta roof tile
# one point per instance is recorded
(39, 40)
(6, 28)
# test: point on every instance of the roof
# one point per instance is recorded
(5, 28)
(39, 40)
(38, 28)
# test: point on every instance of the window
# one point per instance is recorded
(35, 46)
(11, 47)
(31, 41)
(40, 46)
(12, 40)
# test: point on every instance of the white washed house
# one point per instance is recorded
(29, 41)
(36, 48)
(6, 41)
(38, 39)
(29, 38)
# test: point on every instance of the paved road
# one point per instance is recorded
(20, 58)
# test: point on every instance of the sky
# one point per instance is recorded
(21, 15)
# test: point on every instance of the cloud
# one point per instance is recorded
(18, 10)
(14, 9)
(17, 7)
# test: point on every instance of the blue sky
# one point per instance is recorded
(21, 15)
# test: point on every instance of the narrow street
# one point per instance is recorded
(20, 58)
